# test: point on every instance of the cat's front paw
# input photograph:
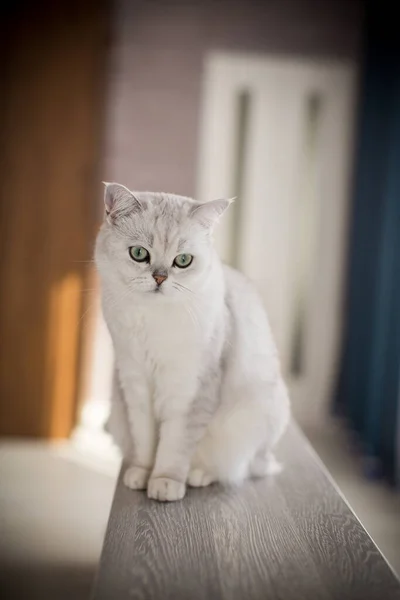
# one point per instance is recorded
(136, 478)
(165, 490)
(199, 478)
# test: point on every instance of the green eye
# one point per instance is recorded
(139, 254)
(183, 260)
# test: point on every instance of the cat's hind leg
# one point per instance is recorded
(264, 463)
(198, 477)
(241, 435)
(225, 452)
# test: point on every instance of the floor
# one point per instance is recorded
(54, 507)
(55, 501)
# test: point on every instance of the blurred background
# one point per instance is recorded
(293, 106)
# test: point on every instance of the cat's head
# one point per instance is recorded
(156, 244)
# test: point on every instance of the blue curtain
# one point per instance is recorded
(369, 382)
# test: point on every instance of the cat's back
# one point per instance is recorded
(239, 289)
(250, 326)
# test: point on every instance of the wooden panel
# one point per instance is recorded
(291, 538)
(55, 57)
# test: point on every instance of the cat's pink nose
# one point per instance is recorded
(159, 278)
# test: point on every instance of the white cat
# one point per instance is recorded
(198, 395)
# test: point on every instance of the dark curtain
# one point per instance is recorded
(368, 389)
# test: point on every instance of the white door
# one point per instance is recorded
(277, 132)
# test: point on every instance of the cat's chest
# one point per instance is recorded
(150, 337)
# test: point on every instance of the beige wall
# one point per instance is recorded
(156, 72)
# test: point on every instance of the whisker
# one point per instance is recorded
(192, 314)
(86, 312)
(83, 261)
(195, 318)
(183, 287)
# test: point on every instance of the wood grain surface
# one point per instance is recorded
(291, 537)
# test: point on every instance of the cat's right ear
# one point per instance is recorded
(208, 213)
(119, 201)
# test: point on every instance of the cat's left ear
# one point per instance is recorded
(209, 213)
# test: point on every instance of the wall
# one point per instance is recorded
(155, 90)
(156, 77)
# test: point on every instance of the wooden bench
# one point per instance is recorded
(292, 537)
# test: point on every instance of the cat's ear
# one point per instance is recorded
(208, 213)
(118, 200)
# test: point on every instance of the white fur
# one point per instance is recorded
(198, 395)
